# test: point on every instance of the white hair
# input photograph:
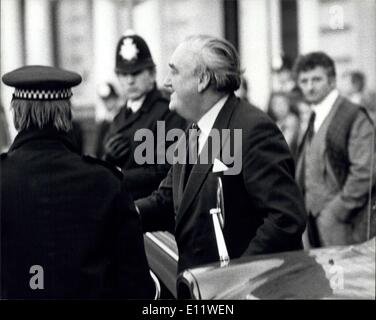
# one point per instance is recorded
(219, 59)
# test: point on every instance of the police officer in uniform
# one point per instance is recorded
(69, 228)
(145, 106)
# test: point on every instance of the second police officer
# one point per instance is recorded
(145, 105)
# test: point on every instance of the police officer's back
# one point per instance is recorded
(68, 227)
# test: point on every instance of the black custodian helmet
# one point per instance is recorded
(132, 55)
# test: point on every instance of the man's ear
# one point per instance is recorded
(203, 82)
(333, 82)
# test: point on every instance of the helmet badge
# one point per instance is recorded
(128, 50)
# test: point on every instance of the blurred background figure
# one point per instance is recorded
(112, 104)
(282, 78)
(4, 131)
(355, 90)
(281, 112)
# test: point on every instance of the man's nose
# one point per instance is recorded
(129, 78)
(310, 85)
(167, 82)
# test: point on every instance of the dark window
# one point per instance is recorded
(230, 8)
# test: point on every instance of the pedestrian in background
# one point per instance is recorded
(336, 166)
(356, 91)
(280, 111)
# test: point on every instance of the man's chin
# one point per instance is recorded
(312, 100)
(173, 108)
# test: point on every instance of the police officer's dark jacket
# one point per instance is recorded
(70, 217)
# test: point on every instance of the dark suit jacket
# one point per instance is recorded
(264, 209)
(101, 133)
(142, 179)
(72, 216)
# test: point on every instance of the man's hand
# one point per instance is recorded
(117, 149)
(332, 231)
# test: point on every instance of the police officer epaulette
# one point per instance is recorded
(106, 164)
(3, 156)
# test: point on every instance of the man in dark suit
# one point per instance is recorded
(336, 166)
(145, 106)
(69, 228)
(264, 210)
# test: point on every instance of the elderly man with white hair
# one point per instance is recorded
(264, 210)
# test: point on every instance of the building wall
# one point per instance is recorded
(256, 32)
(345, 29)
(88, 30)
(38, 32)
(11, 51)
(165, 23)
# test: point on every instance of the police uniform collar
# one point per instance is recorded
(135, 105)
(33, 134)
(150, 98)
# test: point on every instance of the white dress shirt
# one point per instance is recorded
(207, 121)
(323, 108)
(135, 105)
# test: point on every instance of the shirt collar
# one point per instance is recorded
(325, 105)
(135, 105)
(323, 108)
(207, 120)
